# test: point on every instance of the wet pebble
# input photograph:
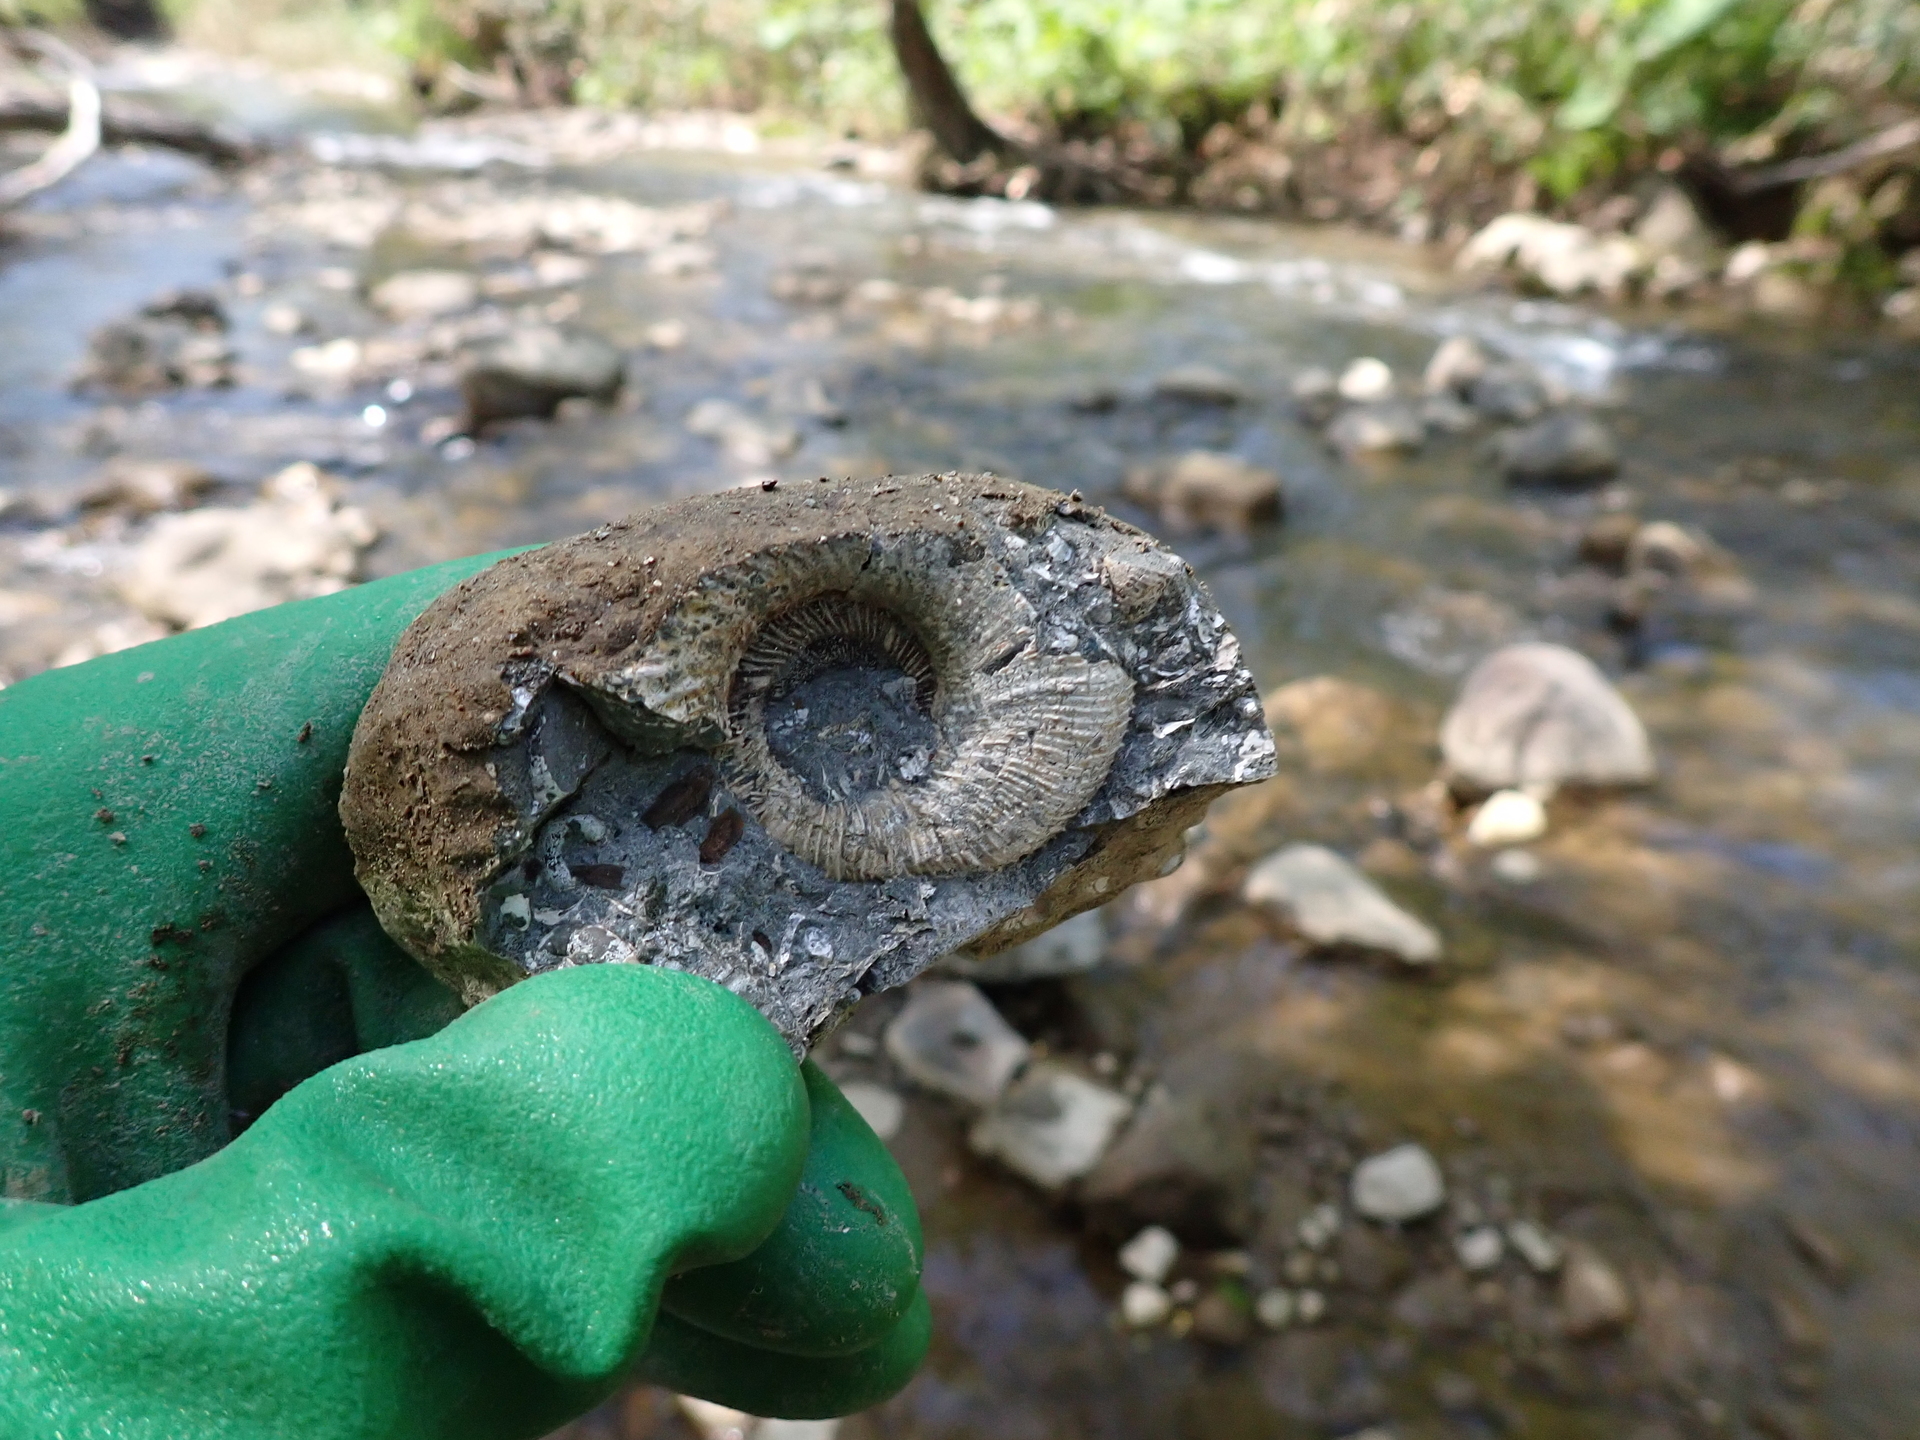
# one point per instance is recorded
(949, 1038)
(1479, 1248)
(136, 488)
(744, 436)
(1568, 448)
(1330, 903)
(282, 318)
(1516, 867)
(1222, 1318)
(1594, 1299)
(1509, 817)
(1398, 1185)
(530, 370)
(1051, 1126)
(881, 1108)
(1444, 415)
(425, 294)
(293, 543)
(1535, 714)
(1458, 362)
(1198, 385)
(1144, 1305)
(1316, 396)
(1365, 380)
(1507, 392)
(1274, 1308)
(1378, 428)
(1150, 1254)
(158, 351)
(1206, 490)
(1536, 1245)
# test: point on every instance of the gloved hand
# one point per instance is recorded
(479, 1233)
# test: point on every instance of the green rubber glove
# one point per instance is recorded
(479, 1233)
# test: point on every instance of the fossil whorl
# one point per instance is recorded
(802, 741)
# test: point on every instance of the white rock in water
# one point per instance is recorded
(1051, 1126)
(1274, 1309)
(1567, 259)
(743, 436)
(1543, 715)
(1328, 901)
(949, 1038)
(796, 1429)
(1516, 867)
(426, 294)
(1070, 948)
(1398, 1185)
(1309, 1306)
(1144, 1305)
(1318, 1226)
(880, 1107)
(712, 1421)
(1479, 1248)
(1150, 1254)
(1458, 362)
(1510, 817)
(294, 543)
(1536, 1246)
(1365, 379)
(1594, 1299)
(1377, 427)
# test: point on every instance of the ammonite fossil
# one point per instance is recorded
(803, 741)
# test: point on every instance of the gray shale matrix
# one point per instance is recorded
(802, 742)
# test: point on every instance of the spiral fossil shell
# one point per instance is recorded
(802, 742)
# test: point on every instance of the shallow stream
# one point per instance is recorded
(1692, 1042)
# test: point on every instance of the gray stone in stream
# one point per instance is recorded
(1444, 415)
(1377, 429)
(1316, 396)
(1542, 715)
(1198, 385)
(425, 294)
(529, 371)
(1594, 1298)
(1051, 1126)
(1458, 362)
(1507, 392)
(1207, 490)
(1398, 1185)
(154, 353)
(1330, 903)
(1567, 447)
(950, 1039)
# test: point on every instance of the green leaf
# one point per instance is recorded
(1675, 23)
(1595, 98)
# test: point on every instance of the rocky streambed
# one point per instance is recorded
(1536, 1055)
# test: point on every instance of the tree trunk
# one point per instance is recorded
(938, 101)
(127, 19)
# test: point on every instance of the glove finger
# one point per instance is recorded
(844, 1264)
(790, 1387)
(465, 1236)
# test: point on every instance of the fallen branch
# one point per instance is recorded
(77, 141)
(1890, 141)
(122, 123)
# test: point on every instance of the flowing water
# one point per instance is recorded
(1692, 1042)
